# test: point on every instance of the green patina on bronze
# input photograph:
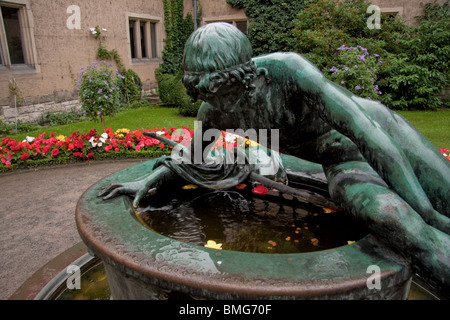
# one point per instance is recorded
(378, 167)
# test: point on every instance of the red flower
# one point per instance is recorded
(24, 156)
(90, 155)
(45, 150)
(260, 190)
(161, 145)
(78, 154)
(55, 152)
(241, 186)
(107, 148)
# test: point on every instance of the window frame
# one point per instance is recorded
(152, 50)
(30, 64)
(229, 19)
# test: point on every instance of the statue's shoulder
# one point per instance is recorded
(285, 61)
(279, 58)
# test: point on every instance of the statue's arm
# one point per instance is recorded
(336, 106)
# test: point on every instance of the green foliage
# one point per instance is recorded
(99, 92)
(178, 30)
(357, 71)
(62, 118)
(415, 59)
(173, 93)
(417, 75)
(136, 104)
(130, 86)
(325, 25)
(271, 23)
(6, 128)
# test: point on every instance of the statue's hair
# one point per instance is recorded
(217, 54)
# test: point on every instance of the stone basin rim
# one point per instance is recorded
(167, 274)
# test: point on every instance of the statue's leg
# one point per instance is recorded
(430, 166)
(356, 187)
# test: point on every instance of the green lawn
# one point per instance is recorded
(435, 125)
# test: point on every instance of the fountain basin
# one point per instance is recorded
(141, 264)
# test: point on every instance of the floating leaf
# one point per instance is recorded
(241, 186)
(315, 242)
(190, 187)
(213, 245)
(328, 210)
(350, 242)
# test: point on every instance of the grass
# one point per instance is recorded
(433, 124)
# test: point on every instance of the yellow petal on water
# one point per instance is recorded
(350, 242)
(190, 187)
(213, 245)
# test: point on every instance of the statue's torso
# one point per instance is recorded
(280, 105)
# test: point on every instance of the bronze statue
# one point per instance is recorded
(379, 168)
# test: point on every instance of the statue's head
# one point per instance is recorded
(217, 54)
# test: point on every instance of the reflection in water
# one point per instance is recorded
(243, 221)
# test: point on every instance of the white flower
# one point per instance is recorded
(29, 139)
(93, 143)
(103, 137)
(104, 29)
(160, 133)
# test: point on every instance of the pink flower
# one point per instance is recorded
(55, 152)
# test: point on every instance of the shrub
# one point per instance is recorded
(271, 24)
(173, 93)
(130, 86)
(415, 59)
(99, 91)
(6, 128)
(416, 77)
(357, 71)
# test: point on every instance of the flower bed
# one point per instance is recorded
(52, 148)
(123, 143)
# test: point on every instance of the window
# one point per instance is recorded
(143, 43)
(16, 38)
(240, 24)
(12, 52)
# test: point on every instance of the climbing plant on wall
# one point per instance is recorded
(271, 23)
(178, 29)
(169, 73)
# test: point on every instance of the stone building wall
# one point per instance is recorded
(55, 53)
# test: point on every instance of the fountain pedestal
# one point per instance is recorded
(141, 264)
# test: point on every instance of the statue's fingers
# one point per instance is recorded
(115, 193)
(108, 189)
(141, 195)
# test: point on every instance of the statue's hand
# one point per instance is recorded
(136, 190)
(139, 188)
